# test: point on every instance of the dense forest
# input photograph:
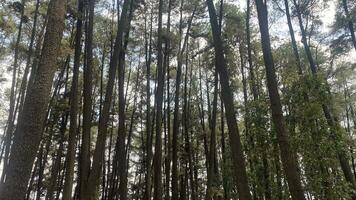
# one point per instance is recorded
(178, 99)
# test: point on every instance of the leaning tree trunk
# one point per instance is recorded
(31, 119)
(289, 160)
(227, 97)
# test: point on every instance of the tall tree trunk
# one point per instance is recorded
(87, 103)
(31, 119)
(157, 179)
(292, 37)
(168, 109)
(227, 97)
(57, 161)
(176, 102)
(148, 50)
(187, 124)
(122, 167)
(29, 56)
(74, 99)
(289, 160)
(213, 173)
(249, 52)
(10, 120)
(98, 158)
(176, 114)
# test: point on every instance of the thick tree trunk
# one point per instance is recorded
(289, 160)
(31, 119)
(227, 97)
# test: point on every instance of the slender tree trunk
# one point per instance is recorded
(29, 56)
(57, 161)
(10, 121)
(74, 99)
(87, 103)
(288, 157)
(94, 177)
(227, 97)
(292, 37)
(176, 104)
(187, 116)
(148, 50)
(249, 52)
(176, 115)
(157, 178)
(31, 119)
(213, 173)
(168, 109)
(122, 167)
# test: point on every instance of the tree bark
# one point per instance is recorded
(31, 119)
(87, 105)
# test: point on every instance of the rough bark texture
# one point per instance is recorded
(31, 119)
